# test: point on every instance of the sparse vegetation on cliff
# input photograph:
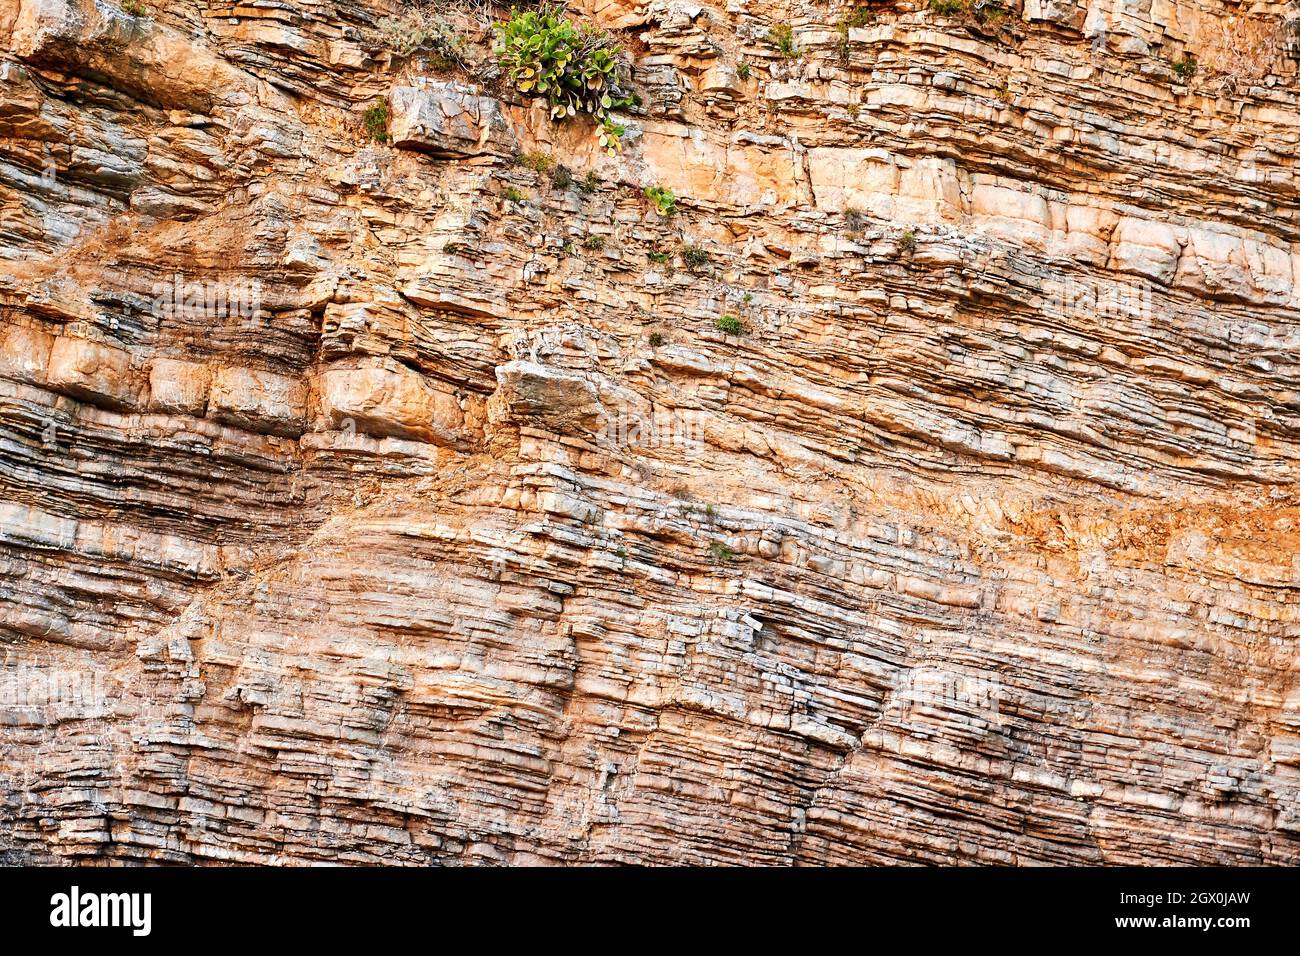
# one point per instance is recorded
(376, 121)
(1185, 68)
(947, 8)
(1239, 51)
(989, 11)
(695, 257)
(781, 38)
(544, 164)
(538, 162)
(422, 28)
(721, 553)
(856, 18)
(561, 176)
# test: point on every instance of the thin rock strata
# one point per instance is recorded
(408, 502)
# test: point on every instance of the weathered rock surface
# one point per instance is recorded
(348, 512)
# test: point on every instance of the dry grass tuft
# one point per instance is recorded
(1240, 51)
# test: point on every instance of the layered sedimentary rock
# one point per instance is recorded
(400, 502)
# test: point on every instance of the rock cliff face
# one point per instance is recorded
(922, 490)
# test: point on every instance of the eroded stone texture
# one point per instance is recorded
(349, 513)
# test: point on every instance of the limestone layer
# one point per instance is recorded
(408, 502)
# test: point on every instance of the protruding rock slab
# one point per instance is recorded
(448, 121)
(391, 401)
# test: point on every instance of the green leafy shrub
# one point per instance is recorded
(729, 324)
(1185, 68)
(658, 257)
(947, 8)
(594, 242)
(576, 70)
(742, 71)
(664, 200)
(376, 121)
(589, 183)
(656, 340)
(695, 257)
(721, 553)
(781, 38)
(907, 241)
(514, 195)
(135, 8)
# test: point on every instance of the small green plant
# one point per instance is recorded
(594, 242)
(729, 325)
(568, 249)
(561, 176)
(858, 17)
(659, 257)
(514, 195)
(656, 340)
(742, 71)
(589, 183)
(1185, 68)
(947, 8)
(376, 121)
(664, 200)
(576, 70)
(907, 241)
(455, 248)
(781, 38)
(721, 552)
(695, 257)
(989, 11)
(854, 220)
(135, 8)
